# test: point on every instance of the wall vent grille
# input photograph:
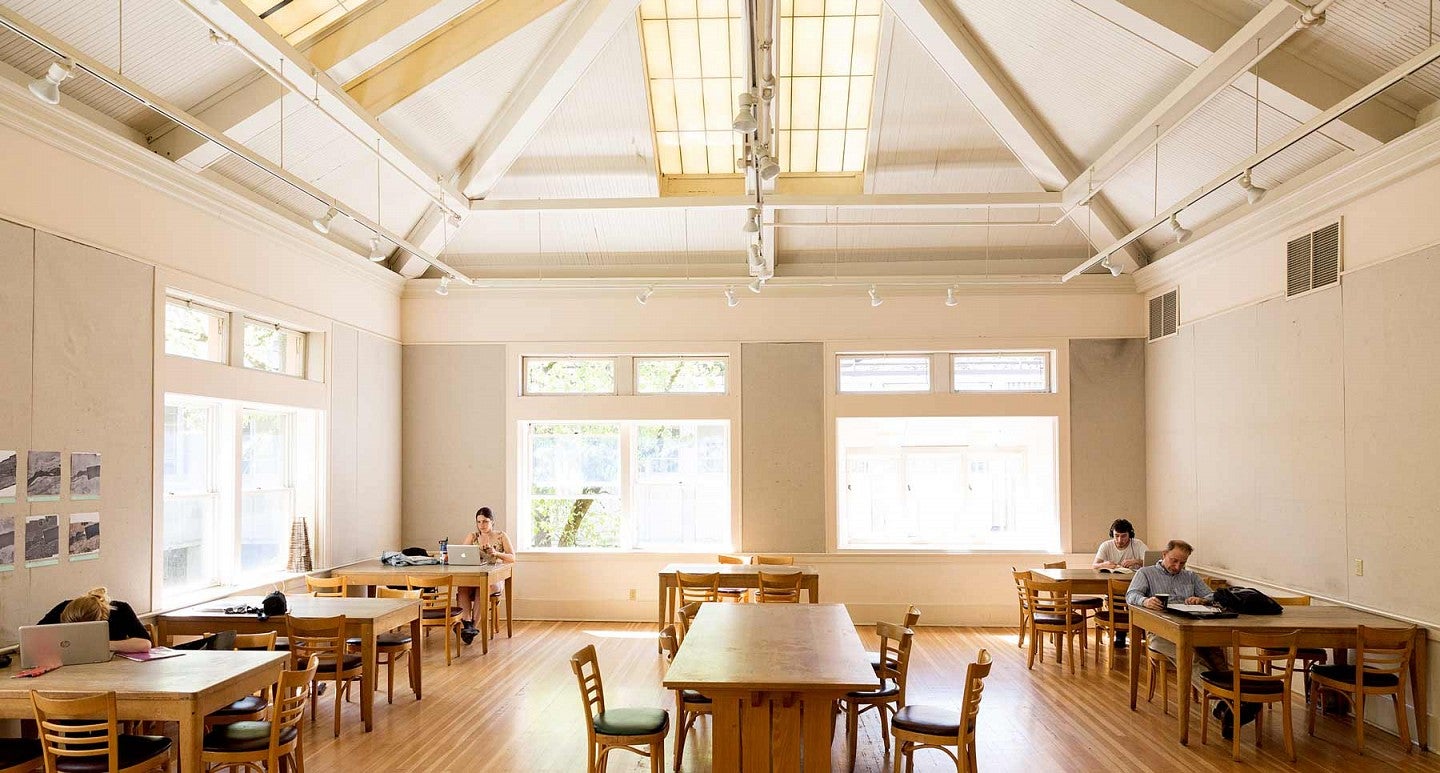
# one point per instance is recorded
(1312, 261)
(1164, 315)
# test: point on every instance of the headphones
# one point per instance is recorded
(1116, 530)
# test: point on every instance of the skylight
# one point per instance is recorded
(297, 20)
(695, 57)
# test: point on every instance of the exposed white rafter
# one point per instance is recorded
(782, 201)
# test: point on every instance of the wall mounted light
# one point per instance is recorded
(322, 223)
(730, 299)
(644, 296)
(444, 288)
(1182, 234)
(1253, 192)
(47, 88)
(950, 299)
(875, 299)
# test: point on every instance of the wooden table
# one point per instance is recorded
(731, 576)
(365, 618)
(182, 689)
(1324, 626)
(1084, 580)
(373, 573)
(772, 672)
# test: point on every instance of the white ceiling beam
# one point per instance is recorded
(567, 57)
(782, 201)
(943, 33)
(1192, 32)
(1272, 26)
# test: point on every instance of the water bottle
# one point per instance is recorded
(445, 550)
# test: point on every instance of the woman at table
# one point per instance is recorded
(496, 546)
(127, 634)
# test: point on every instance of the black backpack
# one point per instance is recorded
(1247, 601)
(275, 604)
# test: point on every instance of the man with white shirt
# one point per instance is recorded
(1122, 549)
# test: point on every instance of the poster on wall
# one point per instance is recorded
(84, 536)
(42, 483)
(8, 461)
(84, 475)
(7, 543)
(42, 540)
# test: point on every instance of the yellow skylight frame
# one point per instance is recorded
(300, 19)
(825, 79)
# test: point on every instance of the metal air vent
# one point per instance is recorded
(1313, 260)
(1164, 315)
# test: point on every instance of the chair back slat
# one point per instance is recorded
(324, 636)
(912, 616)
(1384, 650)
(1049, 597)
(1116, 608)
(293, 692)
(1056, 565)
(975, 674)
(775, 560)
(1021, 577)
(586, 665)
(255, 641)
(725, 558)
(436, 592)
(1292, 601)
(895, 644)
(86, 726)
(1252, 648)
(397, 593)
(669, 643)
(698, 587)
(779, 588)
(684, 616)
(325, 587)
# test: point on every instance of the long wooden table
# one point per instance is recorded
(480, 576)
(772, 672)
(731, 576)
(365, 618)
(181, 689)
(1084, 580)
(1318, 626)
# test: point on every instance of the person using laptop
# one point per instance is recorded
(1170, 578)
(127, 634)
(1122, 549)
(495, 545)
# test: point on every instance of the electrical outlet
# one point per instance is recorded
(1359, 567)
(632, 594)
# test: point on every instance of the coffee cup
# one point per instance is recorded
(1164, 599)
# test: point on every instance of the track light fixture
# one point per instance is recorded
(875, 299)
(1182, 234)
(745, 116)
(730, 299)
(644, 296)
(322, 223)
(767, 167)
(1111, 266)
(1253, 192)
(752, 220)
(755, 256)
(47, 88)
(221, 39)
(444, 288)
(756, 284)
(950, 299)
(377, 253)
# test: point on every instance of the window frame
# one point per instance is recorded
(1047, 354)
(636, 360)
(290, 487)
(299, 358)
(525, 375)
(220, 315)
(926, 356)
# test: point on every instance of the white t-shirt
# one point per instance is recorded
(1108, 552)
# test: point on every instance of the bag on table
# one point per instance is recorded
(1247, 601)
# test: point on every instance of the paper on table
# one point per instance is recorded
(154, 653)
(1200, 608)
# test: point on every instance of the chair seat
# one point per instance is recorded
(133, 749)
(874, 658)
(1121, 618)
(244, 737)
(1051, 618)
(14, 751)
(247, 705)
(1087, 602)
(1346, 675)
(930, 720)
(348, 663)
(691, 696)
(887, 688)
(439, 614)
(1226, 679)
(393, 639)
(1301, 653)
(734, 591)
(632, 721)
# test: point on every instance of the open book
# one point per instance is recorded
(1118, 570)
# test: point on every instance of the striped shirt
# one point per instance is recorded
(1154, 579)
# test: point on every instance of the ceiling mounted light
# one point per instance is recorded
(1182, 234)
(950, 299)
(377, 253)
(769, 170)
(47, 89)
(444, 288)
(752, 220)
(875, 299)
(221, 39)
(1112, 267)
(755, 256)
(644, 296)
(322, 223)
(756, 284)
(1253, 192)
(730, 299)
(745, 122)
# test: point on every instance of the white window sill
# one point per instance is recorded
(252, 586)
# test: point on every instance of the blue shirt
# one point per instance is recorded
(1154, 579)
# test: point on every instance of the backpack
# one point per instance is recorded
(1247, 601)
(275, 604)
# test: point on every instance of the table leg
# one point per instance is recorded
(1184, 661)
(786, 731)
(818, 718)
(1137, 652)
(755, 733)
(509, 609)
(726, 733)
(660, 614)
(484, 613)
(192, 731)
(1420, 686)
(162, 632)
(417, 670)
(812, 584)
(368, 665)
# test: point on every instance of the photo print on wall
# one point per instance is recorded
(7, 543)
(42, 540)
(42, 483)
(84, 536)
(84, 475)
(8, 460)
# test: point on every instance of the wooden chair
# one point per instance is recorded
(697, 587)
(325, 587)
(389, 646)
(912, 618)
(895, 643)
(1307, 656)
(1052, 611)
(683, 617)
(239, 744)
(778, 588)
(775, 560)
(21, 755)
(738, 595)
(1020, 578)
(438, 609)
(251, 707)
(1382, 657)
(73, 738)
(495, 598)
(689, 704)
(1238, 686)
(1114, 619)
(324, 637)
(611, 729)
(1057, 565)
(934, 727)
(1089, 606)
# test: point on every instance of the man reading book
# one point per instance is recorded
(1122, 549)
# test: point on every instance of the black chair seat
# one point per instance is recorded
(1121, 618)
(350, 662)
(393, 639)
(133, 749)
(887, 688)
(734, 591)
(930, 720)
(247, 705)
(1052, 618)
(1301, 653)
(14, 751)
(632, 721)
(1346, 675)
(244, 737)
(1226, 679)
(690, 696)
(1087, 602)
(439, 614)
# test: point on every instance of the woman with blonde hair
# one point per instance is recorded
(127, 634)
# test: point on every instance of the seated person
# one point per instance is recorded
(1169, 576)
(127, 634)
(496, 546)
(1122, 549)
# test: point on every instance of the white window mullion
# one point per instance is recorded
(628, 527)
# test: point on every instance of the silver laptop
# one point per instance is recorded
(64, 644)
(1151, 556)
(467, 555)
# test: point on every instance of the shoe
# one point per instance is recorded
(1119, 642)
(1248, 712)
(320, 688)
(1227, 720)
(468, 632)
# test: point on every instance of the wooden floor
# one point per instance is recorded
(518, 709)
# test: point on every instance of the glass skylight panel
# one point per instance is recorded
(695, 59)
(825, 62)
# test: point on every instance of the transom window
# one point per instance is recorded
(195, 330)
(271, 347)
(884, 373)
(643, 375)
(569, 376)
(679, 375)
(1000, 371)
